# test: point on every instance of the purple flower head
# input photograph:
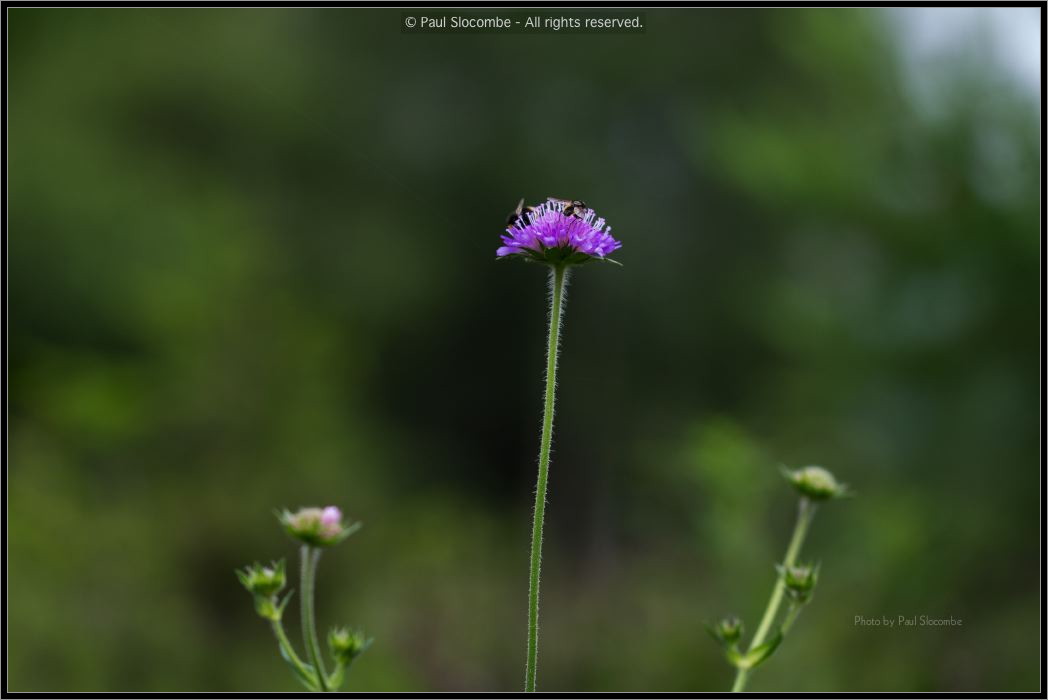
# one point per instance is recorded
(557, 234)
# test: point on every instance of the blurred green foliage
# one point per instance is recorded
(252, 266)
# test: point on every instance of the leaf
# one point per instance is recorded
(758, 655)
(283, 603)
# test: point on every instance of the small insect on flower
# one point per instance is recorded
(319, 527)
(558, 232)
(572, 207)
(518, 213)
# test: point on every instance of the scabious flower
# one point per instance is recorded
(561, 234)
(549, 235)
(319, 527)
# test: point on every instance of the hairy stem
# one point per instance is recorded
(805, 512)
(310, 559)
(288, 649)
(558, 276)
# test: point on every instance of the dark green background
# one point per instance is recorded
(252, 266)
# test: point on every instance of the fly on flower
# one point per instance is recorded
(558, 232)
(571, 207)
(518, 213)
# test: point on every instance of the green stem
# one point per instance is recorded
(805, 512)
(288, 649)
(558, 276)
(310, 559)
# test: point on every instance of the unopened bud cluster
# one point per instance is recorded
(797, 581)
(264, 583)
(315, 528)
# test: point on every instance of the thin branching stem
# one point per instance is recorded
(805, 512)
(288, 650)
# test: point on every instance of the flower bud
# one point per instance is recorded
(264, 583)
(816, 483)
(799, 581)
(318, 527)
(728, 631)
(263, 580)
(347, 645)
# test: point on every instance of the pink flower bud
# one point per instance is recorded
(319, 527)
(331, 517)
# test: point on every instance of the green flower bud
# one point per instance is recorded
(347, 645)
(264, 583)
(728, 631)
(263, 580)
(816, 483)
(799, 581)
(317, 527)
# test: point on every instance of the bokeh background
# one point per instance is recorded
(252, 266)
